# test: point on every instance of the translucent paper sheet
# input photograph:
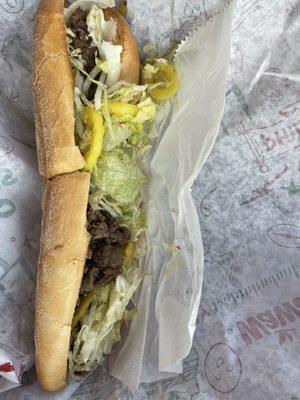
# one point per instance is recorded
(247, 198)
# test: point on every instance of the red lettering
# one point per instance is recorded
(297, 127)
(296, 301)
(269, 142)
(7, 367)
(287, 312)
(262, 282)
(283, 136)
(294, 130)
(252, 329)
(268, 319)
(256, 328)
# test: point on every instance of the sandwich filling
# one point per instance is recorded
(114, 127)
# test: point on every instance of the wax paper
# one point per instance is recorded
(247, 197)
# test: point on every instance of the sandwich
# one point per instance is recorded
(95, 109)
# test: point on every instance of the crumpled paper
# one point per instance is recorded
(169, 299)
(169, 296)
(247, 198)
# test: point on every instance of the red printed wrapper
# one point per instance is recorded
(242, 343)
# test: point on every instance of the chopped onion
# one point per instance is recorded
(92, 75)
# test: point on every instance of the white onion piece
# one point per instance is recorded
(87, 83)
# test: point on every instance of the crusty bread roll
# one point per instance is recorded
(130, 70)
(53, 87)
(63, 251)
(53, 93)
(64, 239)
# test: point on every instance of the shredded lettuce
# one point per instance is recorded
(127, 92)
(134, 218)
(70, 34)
(118, 176)
(105, 204)
(88, 80)
(76, 59)
(146, 112)
(103, 33)
(128, 113)
(127, 130)
(116, 136)
(139, 140)
(125, 134)
(102, 65)
(79, 125)
(95, 24)
(149, 71)
(85, 140)
(86, 5)
(100, 29)
(100, 326)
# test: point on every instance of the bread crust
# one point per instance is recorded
(53, 86)
(130, 62)
(63, 251)
(64, 239)
(53, 93)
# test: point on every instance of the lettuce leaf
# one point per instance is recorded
(99, 28)
(95, 24)
(127, 130)
(116, 136)
(134, 218)
(127, 92)
(118, 176)
(100, 326)
(125, 134)
(140, 140)
(85, 140)
(147, 111)
(149, 71)
(102, 33)
(86, 5)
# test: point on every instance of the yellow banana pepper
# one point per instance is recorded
(127, 254)
(82, 308)
(121, 108)
(94, 121)
(122, 8)
(168, 79)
